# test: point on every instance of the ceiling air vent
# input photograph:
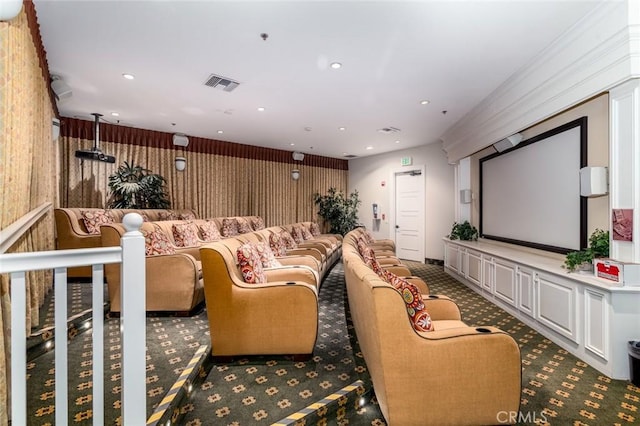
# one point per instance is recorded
(222, 83)
(389, 129)
(350, 156)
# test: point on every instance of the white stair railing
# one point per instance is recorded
(132, 323)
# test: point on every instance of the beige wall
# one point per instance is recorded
(597, 112)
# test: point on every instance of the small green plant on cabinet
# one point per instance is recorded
(338, 209)
(463, 231)
(134, 187)
(598, 247)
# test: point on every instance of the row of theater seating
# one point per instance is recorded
(174, 270)
(427, 366)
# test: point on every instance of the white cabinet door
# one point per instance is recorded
(452, 257)
(596, 322)
(505, 282)
(474, 267)
(556, 305)
(527, 291)
(488, 269)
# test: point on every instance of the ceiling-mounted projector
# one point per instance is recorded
(95, 154)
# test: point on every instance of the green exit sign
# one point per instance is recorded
(406, 161)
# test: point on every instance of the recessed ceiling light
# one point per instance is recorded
(342, 128)
(369, 147)
(292, 144)
(260, 109)
(424, 102)
(397, 141)
(336, 65)
(220, 132)
(128, 76)
(115, 114)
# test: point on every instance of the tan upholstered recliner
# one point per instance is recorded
(174, 281)
(456, 375)
(277, 317)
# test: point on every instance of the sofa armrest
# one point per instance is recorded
(300, 260)
(301, 251)
(441, 307)
(419, 282)
(399, 270)
(292, 274)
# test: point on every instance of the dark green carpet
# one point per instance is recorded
(558, 389)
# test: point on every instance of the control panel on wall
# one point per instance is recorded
(375, 210)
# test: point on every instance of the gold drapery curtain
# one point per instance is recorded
(27, 168)
(232, 181)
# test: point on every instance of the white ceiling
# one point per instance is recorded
(394, 54)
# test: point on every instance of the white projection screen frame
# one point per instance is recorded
(530, 194)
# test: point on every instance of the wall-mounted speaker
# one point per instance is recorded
(60, 88)
(180, 140)
(298, 156)
(465, 196)
(508, 143)
(593, 181)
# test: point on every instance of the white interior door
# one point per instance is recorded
(409, 215)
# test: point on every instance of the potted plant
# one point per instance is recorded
(338, 209)
(463, 231)
(134, 187)
(582, 260)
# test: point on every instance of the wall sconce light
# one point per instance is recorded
(295, 174)
(181, 163)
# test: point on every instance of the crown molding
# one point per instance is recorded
(600, 52)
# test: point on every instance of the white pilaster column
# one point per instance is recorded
(624, 166)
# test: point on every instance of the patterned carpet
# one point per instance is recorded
(558, 389)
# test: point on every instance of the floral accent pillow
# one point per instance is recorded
(257, 223)
(93, 219)
(209, 231)
(296, 233)
(243, 226)
(156, 242)
(418, 315)
(289, 242)
(250, 264)
(185, 234)
(306, 235)
(277, 245)
(267, 257)
(229, 227)
(315, 229)
(168, 215)
(187, 216)
(368, 237)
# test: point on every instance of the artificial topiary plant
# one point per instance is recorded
(134, 187)
(339, 210)
(598, 247)
(463, 231)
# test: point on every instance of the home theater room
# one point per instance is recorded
(302, 212)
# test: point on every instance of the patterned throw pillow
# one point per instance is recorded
(418, 315)
(187, 216)
(296, 233)
(315, 229)
(362, 247)
(168, 215)
(229, 227)
(250, 264)
(243, 226)
(289, 242)
(93, 220)
(257, 223)
(156, 242)
(306, 235)
(209, 231)
(277, 245)
(185, 234)
(267, 257)
(368, 237)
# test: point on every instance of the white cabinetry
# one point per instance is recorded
(589, 317)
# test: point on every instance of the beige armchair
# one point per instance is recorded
(174, 281)
(277, 317)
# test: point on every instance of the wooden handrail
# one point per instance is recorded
(13, 232)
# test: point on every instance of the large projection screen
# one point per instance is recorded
(530, 194)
